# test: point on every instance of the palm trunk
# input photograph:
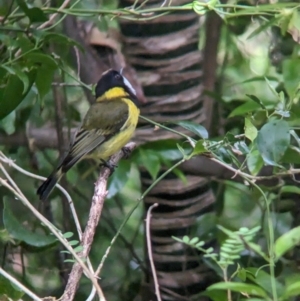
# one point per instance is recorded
(164, 52)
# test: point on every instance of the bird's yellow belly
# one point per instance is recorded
(115, 143)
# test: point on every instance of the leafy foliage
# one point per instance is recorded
(257, 106)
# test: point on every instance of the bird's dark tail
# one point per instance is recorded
(45, 189)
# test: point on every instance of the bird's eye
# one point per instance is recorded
(118, 76)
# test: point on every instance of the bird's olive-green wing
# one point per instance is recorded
(102, 121)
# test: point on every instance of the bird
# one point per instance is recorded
(107, 126)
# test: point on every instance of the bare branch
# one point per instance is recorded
(90, 229)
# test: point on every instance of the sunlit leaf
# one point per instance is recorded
(254, 162)
(287, 241)
(250, 129)
(250, 289)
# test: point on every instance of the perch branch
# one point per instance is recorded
(90, 229)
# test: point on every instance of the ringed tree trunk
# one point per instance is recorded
(165, 55)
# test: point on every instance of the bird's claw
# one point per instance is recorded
(109, 165)
(126, 152)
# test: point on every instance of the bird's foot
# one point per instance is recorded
(109, 165)
(126, 151)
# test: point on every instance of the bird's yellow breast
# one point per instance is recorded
(116, 142)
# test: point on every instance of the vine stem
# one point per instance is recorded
(99, 268)
(149, 248)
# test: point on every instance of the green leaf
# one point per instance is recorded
(186, 239)
(194, 240)
(263, 27)
(263, 279)
(250, 129)
(257, 100)
(291, 156)
(287, 241)
(199, 148)
(8, 123)
(272, 141)
(119, 178)
(250, 289)
(195, 128)
(254, 162)
(46, 66)
(19, 232)
(290, 189)
(9, 290)
(78, 249)
(22, 75)
(34, 14)
(246, 107)
(73, 242)
(290, 70)
(151, 162)
(292, 290)
(11, 92)
(272, 88)
(68, 234)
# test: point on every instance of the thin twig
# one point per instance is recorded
(89, 232)
(52, 17)
(149, 248)
(65, 193)
(20, 285)
(11, 186)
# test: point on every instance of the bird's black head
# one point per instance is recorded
(113, 79)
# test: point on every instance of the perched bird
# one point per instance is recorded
(107, 126)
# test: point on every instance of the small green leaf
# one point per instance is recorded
(250, 129)
(68, 234)
(19, 232)
(250, 289)
(186, 239)
(195, 128)
(287, 241)
(34, 14)
(70, 260)
(254, 162)
(290, 71)
(78, 249)
(272, 141)
(194, 240)
(73, 242)
(199, 148)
